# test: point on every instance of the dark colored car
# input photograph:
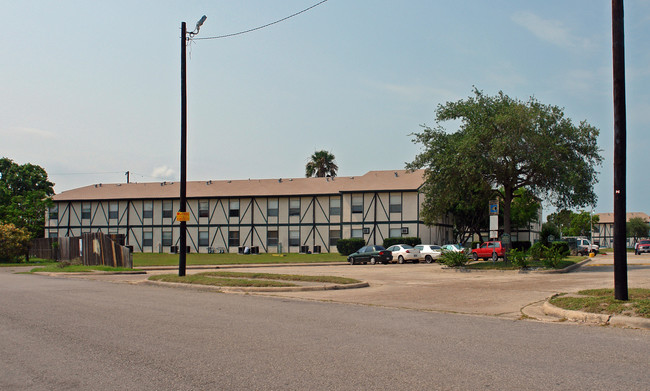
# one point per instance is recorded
(372, 254)
(642, 247)
(489, 250)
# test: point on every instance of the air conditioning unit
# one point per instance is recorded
(405, 230)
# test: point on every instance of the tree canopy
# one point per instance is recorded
(637, 228)
(25, 194)
(573, 223)
(321, 164)
(504, 144)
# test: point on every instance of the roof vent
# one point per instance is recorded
(291, 180)
(280, 180)
(395, 174)
(209, 182)
(229, 181)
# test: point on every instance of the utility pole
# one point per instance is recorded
(182, 215)
(620, 140)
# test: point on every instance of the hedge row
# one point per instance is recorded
(349, 246)
(411, 241)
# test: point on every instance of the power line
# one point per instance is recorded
(261, 27)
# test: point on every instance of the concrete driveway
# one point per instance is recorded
(432, 287)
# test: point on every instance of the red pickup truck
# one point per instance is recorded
(489, 250)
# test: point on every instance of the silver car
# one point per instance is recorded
(404, 253)
(431, 252)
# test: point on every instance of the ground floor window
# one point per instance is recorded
(272, 238)
(335, 235)
(167, 238)
(147, 239)
(204, 239)
(294, 238)
(233, 238)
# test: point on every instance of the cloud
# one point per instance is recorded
(551, 31)
(163, 172)
(413, 92)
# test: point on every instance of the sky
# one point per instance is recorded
(91, 89)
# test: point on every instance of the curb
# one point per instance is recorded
(602, 319)
(237, 266)
(567, 269)
(228, 289)
(95, 273)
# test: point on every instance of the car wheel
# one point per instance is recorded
(495, 257)
(373, 261)
(428, 259)
(475, 256)
(400, 259)
(351, 261)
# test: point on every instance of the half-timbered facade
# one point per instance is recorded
(268, 215)
(603, 233)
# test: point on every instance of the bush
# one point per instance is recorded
(553, 257)
(13, 242)
(474, 245)
(453, 259)
(411, 241)
(518, 258)
(537, 251)
(349, 246)
(562, 247)
(523, 245)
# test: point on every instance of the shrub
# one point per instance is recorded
(474, 245)
(348, 246)
(562, 247)
(13, 242)
(518, 258)
(553, 257)
(452, 258)
(523, 245)
(537, 251)
(411, 241)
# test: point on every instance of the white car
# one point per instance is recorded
(453, 248)
(404, 253)
(431, 252)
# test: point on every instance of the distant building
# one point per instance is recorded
(603, 233)
(268, 215)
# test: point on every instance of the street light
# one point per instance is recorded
(182, 215)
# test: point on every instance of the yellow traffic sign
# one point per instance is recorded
(182, 216)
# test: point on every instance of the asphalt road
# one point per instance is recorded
(77, 334)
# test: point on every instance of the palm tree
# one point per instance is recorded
(321, 164)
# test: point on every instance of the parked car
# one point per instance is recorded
(643, 246)
(372, 254)
(456, 248)
(489, 250)
(404, 252)
(431, 252)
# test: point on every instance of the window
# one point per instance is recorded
(85, 211)
(335, 206)
(54, 212)
(272, 210)
(113, 210)
(233, 238)
(234, 208)
(335, 235)
(167, 238)
(294, 207)
(147, 239)
(294, 238)
(395, 203)
(357, 203)
(204, 239)
(147, 211)
(203, 208)
(167, 209)
(272, 238)
(53, 235)
(395, 232)
(357, 233)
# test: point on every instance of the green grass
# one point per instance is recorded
(602, 301)
(501, 265)
(157, 259)
(241, 279)
(56, 268)
(32, 262)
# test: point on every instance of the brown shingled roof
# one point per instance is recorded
(608, 218)
(394, 180)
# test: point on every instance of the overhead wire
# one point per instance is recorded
(261, 27)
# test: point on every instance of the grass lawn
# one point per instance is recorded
(249, 279)
(157, 259)
(57, 268)
(501, 265)
(602, 301)
(32, 262)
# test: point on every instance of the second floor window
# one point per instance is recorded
(203, 208)
(113, 210)
(294, 207)
(335, 206)
(234, 208)
(357, 203)
(395, 203)
(147, 211)
(167, 212)
(273, 207)
(85, 211)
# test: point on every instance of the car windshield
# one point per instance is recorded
(645, 242)
(379, 248)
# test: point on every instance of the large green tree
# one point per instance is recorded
(573, 223)
(25, 194)
(321, 164)
(505, 144)
(637, 228)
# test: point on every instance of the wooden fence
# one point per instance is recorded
(93, 249)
